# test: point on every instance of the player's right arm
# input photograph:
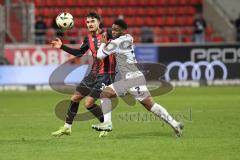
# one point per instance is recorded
(106, 49)
(76, 52)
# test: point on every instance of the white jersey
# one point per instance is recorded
(133, 80)
(122, 47)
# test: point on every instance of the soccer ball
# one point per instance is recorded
(65, 21)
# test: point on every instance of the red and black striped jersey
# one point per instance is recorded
(92, 42)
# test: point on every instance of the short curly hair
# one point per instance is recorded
(121, 23)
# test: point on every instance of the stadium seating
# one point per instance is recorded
(165, 17)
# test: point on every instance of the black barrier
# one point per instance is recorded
(197, 62)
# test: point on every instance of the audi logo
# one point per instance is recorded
(196, 73)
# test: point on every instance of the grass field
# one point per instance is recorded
(211, 116)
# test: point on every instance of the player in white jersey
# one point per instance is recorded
(133, 80)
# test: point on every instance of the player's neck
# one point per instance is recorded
(98, 31)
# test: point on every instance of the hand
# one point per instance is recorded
(57, 43)
(104, 38)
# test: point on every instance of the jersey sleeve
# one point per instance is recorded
(107, 49)
(77, 52)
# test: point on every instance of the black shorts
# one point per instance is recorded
(92, 84)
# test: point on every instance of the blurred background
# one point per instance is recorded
(197, 40)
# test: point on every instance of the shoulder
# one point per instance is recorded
(124, 38)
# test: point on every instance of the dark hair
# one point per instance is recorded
(121, 23)
(94, 15)
(101, 25)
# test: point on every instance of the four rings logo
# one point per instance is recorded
(196, 74)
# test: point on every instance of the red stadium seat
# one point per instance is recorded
(162, 11)
(181, 11)
(77, 23)
(38, 3)
(172, 11)
(149, 21)
(107, 12)
(130, 21)
(217, 39)
(49, 21)
(165, 39)
(45, 12)
(150, 11)
(121, 3)
(140, 11)
(209, 30)
(160, 21)
(165, 31)
(43, 3)
(187, 39)
(172, 2)
(54, 12)
(118, 11)
(157, 31)
(76, 12)
(46, 3)
(89, 3)
(189, 20)
(108, 21)
(37, 12)
(180, 21)
(139, 21)
(72, 32)
(191, 11)
(162, 2)
(59, 4)
(102, 3)
(187, 31)
(183, 2)
(158, 14)
(174, 39)
(132, 3)
(152, 2)
(195, 2)
(81, 3)
(129, 11)
(70, 3)
(137, 31)
(175, 31)
(170, 21)
(50, 35)
(142, 2)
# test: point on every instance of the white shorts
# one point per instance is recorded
(134, 85)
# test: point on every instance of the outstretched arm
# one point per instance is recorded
(101, 54)
(105, 48)
(76, 52)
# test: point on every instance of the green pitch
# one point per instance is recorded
(211, 116)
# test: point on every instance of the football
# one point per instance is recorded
(65, 21)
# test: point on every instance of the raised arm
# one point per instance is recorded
(106, 48)
(101, 53)
(76, 52)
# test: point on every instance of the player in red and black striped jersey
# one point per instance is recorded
(102, 73)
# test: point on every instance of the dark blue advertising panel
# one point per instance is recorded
(208, 62)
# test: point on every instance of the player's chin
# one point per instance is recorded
(92, 29)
